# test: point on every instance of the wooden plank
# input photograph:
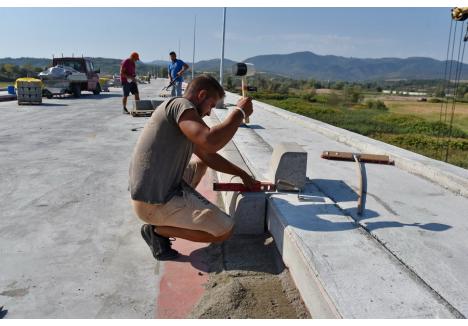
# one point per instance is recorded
(348, 156)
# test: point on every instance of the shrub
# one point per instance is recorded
(376, 105)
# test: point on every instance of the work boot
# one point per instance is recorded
(160, 246)
(125, 111)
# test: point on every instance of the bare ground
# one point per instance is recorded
(248, 280)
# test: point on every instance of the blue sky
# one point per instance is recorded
(153, 32)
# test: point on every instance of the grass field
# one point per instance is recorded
(431, 111)
(404, 122)
(5, 84)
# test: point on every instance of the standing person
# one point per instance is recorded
(163, 173)
(176, 70)
(128, 79)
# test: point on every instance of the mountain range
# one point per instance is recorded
(302, 65)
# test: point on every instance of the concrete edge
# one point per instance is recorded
(315, 297)
(449, 176)
(247, 209)
(313, 293)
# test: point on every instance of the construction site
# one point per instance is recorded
(71, 248)
(339, 226)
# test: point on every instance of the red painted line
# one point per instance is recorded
(182, 282)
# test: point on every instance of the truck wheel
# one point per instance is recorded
(97, 90)
(47, 93)
(76, 90)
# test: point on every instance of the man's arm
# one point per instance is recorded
(211, 140)
(185, 67)
(219, 163)
(122, 71)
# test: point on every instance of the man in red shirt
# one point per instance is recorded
(128, 79)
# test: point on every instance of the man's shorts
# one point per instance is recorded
(129, 88)
(189, 209)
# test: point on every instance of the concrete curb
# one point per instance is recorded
(247, 209)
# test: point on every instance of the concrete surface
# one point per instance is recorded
(70, 245)
(417, 221)
(4, 96)
(288, 166)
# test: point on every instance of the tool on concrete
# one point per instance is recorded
(236, 186)
(144, 107)
(166, 88)
(360, 159)
(243, 70)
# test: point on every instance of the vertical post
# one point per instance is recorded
(220, 104)
(222, 49)
(193, 54)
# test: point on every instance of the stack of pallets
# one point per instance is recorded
(29, 91)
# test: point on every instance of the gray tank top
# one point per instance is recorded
(161, 154)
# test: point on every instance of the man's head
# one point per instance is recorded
(204, 91)
(173, 56)
(134, 56)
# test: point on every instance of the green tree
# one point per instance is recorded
(229, 84)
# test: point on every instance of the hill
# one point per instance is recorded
(298, 65)
(306, 65)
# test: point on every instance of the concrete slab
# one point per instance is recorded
(416, 220)
(288, 166)
(70, 245)
(341, 269)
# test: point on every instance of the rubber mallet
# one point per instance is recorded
(243, 70)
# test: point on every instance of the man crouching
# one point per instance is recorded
(163, 172)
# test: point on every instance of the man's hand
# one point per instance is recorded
(245, 104)
(248, 181)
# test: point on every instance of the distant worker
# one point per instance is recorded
(163, 173)
(176, 70)
(128, 79)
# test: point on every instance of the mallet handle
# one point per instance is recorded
(244, 94)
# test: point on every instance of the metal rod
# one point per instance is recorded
(222, 49)
(193, 54)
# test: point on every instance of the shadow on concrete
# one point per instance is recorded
(321, 224)
(337, 190)
(199, 259)
(252, 126)
(101, 96)
(256, 253)
(87, 96)
(50, 104)
(435, 227)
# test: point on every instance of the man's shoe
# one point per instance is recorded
(160, 246)
(125, 111)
